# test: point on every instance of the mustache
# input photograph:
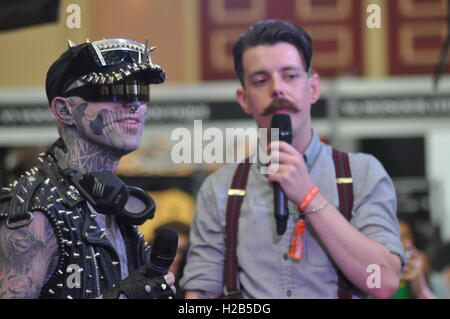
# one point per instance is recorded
(280, 104)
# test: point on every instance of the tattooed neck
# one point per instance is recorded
(86, 156)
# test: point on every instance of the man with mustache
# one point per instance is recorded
(68, 228)
(322, 254)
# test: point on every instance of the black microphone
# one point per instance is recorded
(163, 253)
(283, 123)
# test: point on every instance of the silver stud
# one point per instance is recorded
(76, 255)
(51, 292)
(21, 201)
(24, 190)
(115, 263)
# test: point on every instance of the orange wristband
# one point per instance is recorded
(313, 191)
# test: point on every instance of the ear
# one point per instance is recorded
(62, 109)
(241, 97)
(315, 87)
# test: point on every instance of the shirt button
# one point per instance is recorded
(289, 293)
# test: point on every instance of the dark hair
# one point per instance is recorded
(269, 32)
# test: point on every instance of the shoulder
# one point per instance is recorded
(38, 236)
(366, 167)
(25, 256)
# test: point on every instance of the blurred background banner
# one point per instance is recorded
(335, 27)
(24, 13)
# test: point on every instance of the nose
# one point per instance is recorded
(277, 87)
(133, 106)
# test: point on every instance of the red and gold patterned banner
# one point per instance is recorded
(417, 31)
(335, 26)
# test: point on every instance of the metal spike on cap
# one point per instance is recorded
(71, 44)
(110, 79)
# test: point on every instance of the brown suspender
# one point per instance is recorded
(345, 191)
(235, 197)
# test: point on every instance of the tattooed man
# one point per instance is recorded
(68, 228)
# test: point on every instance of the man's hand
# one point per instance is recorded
(292, 173)
(138, 286)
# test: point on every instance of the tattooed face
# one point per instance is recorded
(115, 125)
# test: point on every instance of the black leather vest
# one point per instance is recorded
(87, 262)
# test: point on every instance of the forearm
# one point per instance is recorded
(353, 252)
(198, 294)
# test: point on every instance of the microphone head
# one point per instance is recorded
(164, 248)
(283, 123)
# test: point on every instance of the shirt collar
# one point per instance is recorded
(310, 155)
(313, 149)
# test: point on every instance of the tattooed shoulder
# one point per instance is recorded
(25, 255)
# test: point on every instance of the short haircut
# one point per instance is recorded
(270, 32)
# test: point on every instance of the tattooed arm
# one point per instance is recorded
(199, 294)
(25, 255)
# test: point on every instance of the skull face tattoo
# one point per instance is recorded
(115, 125)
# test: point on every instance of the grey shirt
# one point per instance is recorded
(263, 271)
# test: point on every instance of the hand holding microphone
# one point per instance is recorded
(283, 123)
(152, 281)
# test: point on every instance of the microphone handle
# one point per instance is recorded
(281, 210)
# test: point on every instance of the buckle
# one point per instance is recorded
(227, 293)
